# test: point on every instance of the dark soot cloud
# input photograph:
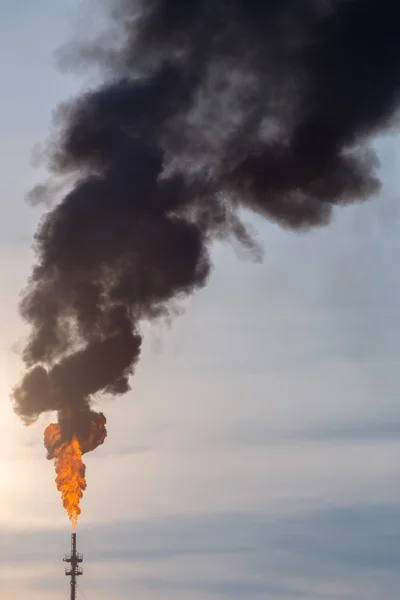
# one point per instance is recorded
(204, 106)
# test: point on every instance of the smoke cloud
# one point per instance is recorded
(205, 106)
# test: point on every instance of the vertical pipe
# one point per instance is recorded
(73, 566)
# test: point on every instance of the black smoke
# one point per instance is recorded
(205, 106)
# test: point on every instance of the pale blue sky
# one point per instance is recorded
(257, 454)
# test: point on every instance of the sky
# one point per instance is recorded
(255, 457)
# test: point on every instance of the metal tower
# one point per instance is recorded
(74, 570)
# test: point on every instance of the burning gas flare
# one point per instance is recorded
(70, 469)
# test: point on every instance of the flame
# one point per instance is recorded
(70, 479)
(67, 456)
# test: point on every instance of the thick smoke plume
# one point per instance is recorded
(205, 106)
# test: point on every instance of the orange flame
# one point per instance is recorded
(70, 479)
(70, 469)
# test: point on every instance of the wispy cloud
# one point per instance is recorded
(256, 554)
(260, 434)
